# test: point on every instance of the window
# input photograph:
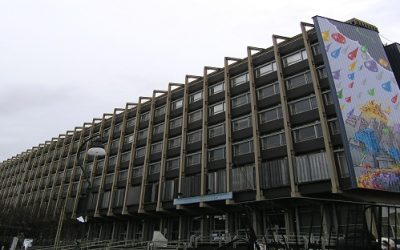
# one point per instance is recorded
(140, 152)
(271, 114)
(159, 111)
(307, 132)
(112, 161)
(241, 123)
(142, 134)
(195, 97)
(216, 109)
(174, 142)
(316, 49)
(273, 140)
(194, 136)
(298, 80)
(334, 126)
(128, 139)
(303, 105)
(215, 89)
(106, 132)
(275, 173)
(126, 157)
(175, 123)
(216, 181)
(115, 143)
(216, 130)
(137, 172)
(265, 69)
(328, 100)
(341, 162)
(154, 168)
(243, 178)
(242, 148)
(195, 116)
(172, 164)
(311, 167)
(322, 73)
(238, 80)
(193, 159)
(294, 58)
(176, 104)
(158, 129)
(240, 100)
(215, 154)
(145, 116)
(131, 122)
(268, 91)
(117, 128)
(156, 147)
(99, 166)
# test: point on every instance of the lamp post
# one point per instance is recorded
(96, 149)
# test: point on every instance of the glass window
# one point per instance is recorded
(271, 114)
(106, 132)
(322, 73)
(215, 89)
(216, 130)
(156, 147)
(268, 91)
(215, 154)
(154, 168)
(240, 100)
(128, 138)
(140, 152)
(145, 116)
(195, 116)
(328, 100)
(241, 123)
(131, 122)
(142, 134)
(316, 49)
(125, 156)
(112, 160)
(115, 143)
(238, 80)
(196, 96)
(243, 147)
(194, 136)
(193, 159)
(294, 58)
(298, 80)
(174, 142)
(159, 111)
(137, 171)
(117, 128)
(175, 123)
(303, 105)
(334, 127)
(177, 104)
(273, 140)
(173, 164)
(216, 109)
(341, 161)
(158, 129)
(307, 132)
(265, 69)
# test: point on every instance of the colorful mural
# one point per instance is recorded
(368, 100)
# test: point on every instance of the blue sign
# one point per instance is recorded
(204, 198)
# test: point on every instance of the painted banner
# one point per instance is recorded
(367, 102)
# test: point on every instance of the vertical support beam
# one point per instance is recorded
(254, 122)
(204, 147)
(321, 111)
(286, 117)
(116, 169)
(164, 152)
(22, 179)
(228, 126)
(147, 154)
(132, 157)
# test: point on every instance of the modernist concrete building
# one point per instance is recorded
(262, 131)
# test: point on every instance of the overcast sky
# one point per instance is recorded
(64, 62)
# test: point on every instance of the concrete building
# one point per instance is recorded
(262, 131)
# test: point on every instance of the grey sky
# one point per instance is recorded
(64, 62)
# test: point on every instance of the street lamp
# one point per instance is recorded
(96, 149)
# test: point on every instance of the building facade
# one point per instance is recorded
(262, 131)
